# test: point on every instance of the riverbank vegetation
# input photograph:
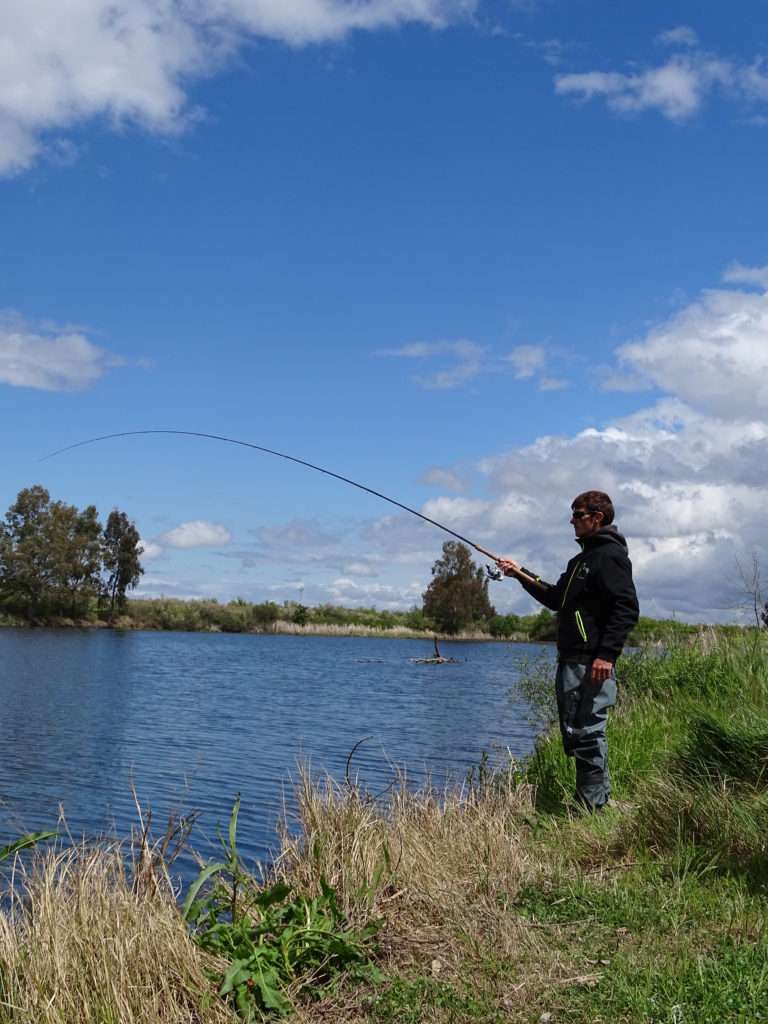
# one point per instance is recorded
(239, 616)
(493, 902)
(59, 561)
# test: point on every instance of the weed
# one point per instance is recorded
(276, 943)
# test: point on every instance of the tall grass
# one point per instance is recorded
(416, 859)
(81, 943)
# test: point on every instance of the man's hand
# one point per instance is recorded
(508, 567)
(601, 670)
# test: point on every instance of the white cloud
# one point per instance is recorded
(148, 550)
(687, 474)
(551, 50)
(438, 477)
(526, 360)
(714, 353)
(392, 597)
(359, 568)
(469, 356)
(677, 88)
(454, 511)
(130, 61)
(198, 533)
(552, 384)
(50, 359)
(683, 35)
(739, 274)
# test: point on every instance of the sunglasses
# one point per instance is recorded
(580, 514)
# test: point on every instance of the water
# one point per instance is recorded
(191, 719)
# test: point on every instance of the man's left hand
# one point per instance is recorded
(601, 670)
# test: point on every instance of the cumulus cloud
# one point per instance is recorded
(687, 473)
(676, 88)
(49, 358)
(714, 353)
(148, 550)
(130, 61)
(198, 533)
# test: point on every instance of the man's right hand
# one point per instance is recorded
(508, 566)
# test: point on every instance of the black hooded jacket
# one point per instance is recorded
(595, 599)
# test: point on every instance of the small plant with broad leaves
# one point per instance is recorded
(276, 941)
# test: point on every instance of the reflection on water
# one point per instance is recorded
(191, 719)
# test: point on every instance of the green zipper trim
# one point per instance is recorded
(580, 624)
(568, 585)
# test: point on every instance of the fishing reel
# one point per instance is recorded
(493, 573)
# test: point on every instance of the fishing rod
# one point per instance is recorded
(493, 573)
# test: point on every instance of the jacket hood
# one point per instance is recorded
(605, 535)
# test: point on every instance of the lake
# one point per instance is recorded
(191, 719)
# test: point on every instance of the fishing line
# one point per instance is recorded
(289, 458)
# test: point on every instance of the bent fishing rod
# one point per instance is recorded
(494, 574)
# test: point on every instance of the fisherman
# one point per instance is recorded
(597, 608)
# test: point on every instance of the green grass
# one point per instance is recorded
(413, 999)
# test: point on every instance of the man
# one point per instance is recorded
(596, 604)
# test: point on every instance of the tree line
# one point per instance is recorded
(59, 561)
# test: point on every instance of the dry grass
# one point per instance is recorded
(433, 865)
(81, 942)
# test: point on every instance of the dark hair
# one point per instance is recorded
(595, 501)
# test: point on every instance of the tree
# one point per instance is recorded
(50, 555)
(121, 547)
(458, 593)
(74, 551)
(24, 569)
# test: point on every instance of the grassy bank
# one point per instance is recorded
(495, 903)
(240, 616)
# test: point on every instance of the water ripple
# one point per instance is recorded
(191, 719)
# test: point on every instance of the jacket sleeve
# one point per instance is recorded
(623, 609)
(548, 594)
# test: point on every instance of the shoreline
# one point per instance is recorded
(279, 628)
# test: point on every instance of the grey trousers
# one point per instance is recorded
(583, 710)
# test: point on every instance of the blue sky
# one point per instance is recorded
(479, 256)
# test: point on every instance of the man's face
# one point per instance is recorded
(584, 522)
